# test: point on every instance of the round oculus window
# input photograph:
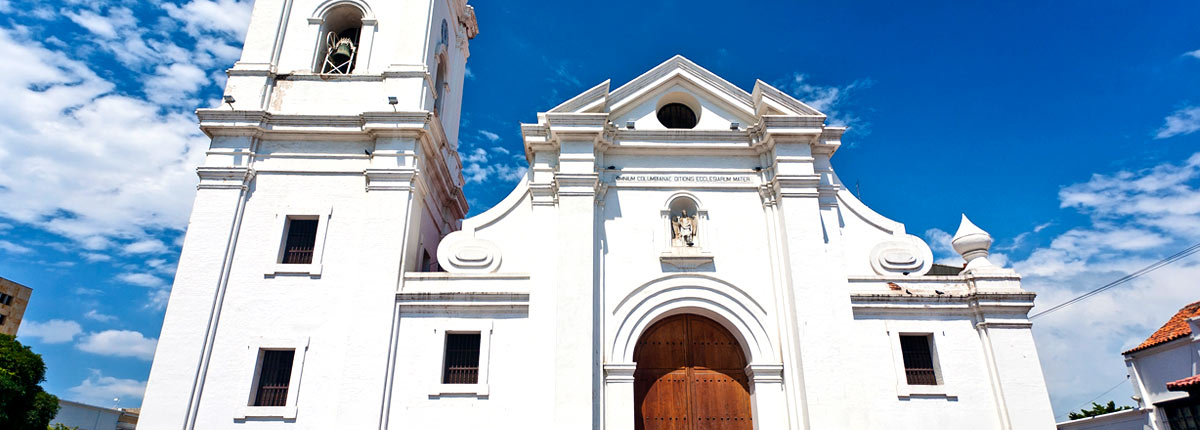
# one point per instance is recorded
(676, 115)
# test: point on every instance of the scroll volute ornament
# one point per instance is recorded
(905, 255)
(462, 252)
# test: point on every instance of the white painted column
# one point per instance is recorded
(575, 293)
(767, 397)
(619, 410)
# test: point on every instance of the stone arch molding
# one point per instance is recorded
(323, 9)
(692, 293)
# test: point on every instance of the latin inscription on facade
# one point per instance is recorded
(690, 179)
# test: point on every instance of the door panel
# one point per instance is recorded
(690, 376)
(663, 396)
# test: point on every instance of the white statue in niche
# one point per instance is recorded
(684, 229)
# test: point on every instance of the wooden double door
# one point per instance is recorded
(690, 376)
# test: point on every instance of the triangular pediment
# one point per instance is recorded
(717, 102)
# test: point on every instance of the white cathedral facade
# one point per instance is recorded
(680, 255)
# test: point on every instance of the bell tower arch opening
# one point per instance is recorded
(691, 374)
(338, 45)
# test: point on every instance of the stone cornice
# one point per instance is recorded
(368, 124)
(1012, 304)
(224, 178)
(391, 179)
(463, 302)
(577, 184)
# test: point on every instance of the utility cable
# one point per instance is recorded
(1081, 405)
(1152, 267)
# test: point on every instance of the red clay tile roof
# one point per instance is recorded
(1175, 328)
(1185, 384)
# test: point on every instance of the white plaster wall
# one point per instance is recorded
(517, 379)
(1166, 363)
(961, 361)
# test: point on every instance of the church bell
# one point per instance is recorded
(342, 50)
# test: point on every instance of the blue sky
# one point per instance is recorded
(1069, 130)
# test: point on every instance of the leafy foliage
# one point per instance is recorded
(1098, 409)
(23, 403)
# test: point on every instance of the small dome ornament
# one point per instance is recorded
(972, 243)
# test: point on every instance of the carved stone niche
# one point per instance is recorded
(685, 232)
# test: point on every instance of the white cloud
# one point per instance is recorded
(118, 343)
(830, 100)
(174, 82)
(93, 257)
(479, 168)
(943, 252)
(1135, 218)
(70, 117)
(201, 17)
(105, 26)
(53, 331)
(13, 248)
(1183, 121)
(1194, 54)
(469, 74)
(146, 246)
(492, 137)
(95, 315)
(100, 390)
(141, 279)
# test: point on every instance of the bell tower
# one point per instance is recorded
(333, 170)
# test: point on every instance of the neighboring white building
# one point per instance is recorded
(83, 416)
(681, 254)
(1165, 373)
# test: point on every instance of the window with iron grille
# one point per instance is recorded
(918, 359)
(5, 299)
(462, 359)
(301, 239)
(2, 318)
(1183, 414)
(274, 375)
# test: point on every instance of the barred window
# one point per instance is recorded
(274, 376)
(461, 363)
(301, 239)
(918, 360)
(5, 299)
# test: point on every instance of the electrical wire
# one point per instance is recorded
(1081, 405)
(1152, 267)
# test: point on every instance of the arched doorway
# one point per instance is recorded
(690, 376)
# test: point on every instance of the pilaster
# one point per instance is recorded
(577, 295)
(619, 413)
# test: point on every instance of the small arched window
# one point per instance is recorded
(445, 33)
(439, 86)
(339, 40)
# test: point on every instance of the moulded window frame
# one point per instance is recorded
(944, 388)
(481, 387)
(253, 364)
(322, 215)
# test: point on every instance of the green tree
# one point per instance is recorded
(23, 403)
(1098, 409)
